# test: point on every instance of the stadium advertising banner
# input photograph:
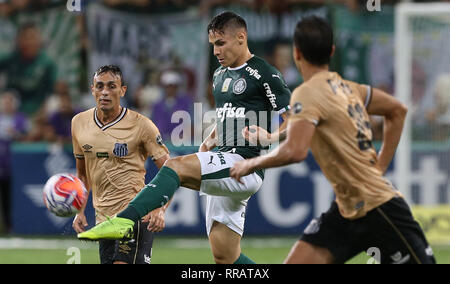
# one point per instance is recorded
(144, 46)
(289, 198)
(61, 42)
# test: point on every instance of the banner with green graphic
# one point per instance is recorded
(145, 45)
(61, 41)
(365, 46)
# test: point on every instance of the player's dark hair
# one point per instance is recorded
(224, 20)
(114, 69)
(314, 38)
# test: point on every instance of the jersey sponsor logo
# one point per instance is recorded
(359, 205)
(222, 159)
(253, 72)
(398, 258)
(239, 86)
(429, 251)
(226, 85)
(87, 148)
(211, 162)
(102, 155)
(313, 227)
(298, 107)
(230, 112)
(124, 248)
(147, 259)
(271, 96)
(218, 72)
(120, 150)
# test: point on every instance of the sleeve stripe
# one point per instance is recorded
(368, 97)
(308, 119)
(283, 110)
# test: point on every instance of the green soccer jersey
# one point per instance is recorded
(247, 95)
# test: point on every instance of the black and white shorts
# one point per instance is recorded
(135, 251)
(388, 233)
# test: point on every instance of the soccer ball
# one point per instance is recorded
(64, 195)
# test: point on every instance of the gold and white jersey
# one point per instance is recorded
(342, 142)
(115, 156)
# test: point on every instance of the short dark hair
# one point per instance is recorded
(114, 69)
(224, 20)
(314, 38)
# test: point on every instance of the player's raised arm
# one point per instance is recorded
(300, 130)
(259, 136)
(394, 113)
(293, 149)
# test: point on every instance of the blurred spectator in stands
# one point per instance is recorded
(12, 7)
(206, 5)
(172, 100)
(40, 129)
(61, 119)
(53, 101)
(281, 58)
(149, 93)
(133, 3)
(152, 6)
(438, 116)
(12, 127)
(29, 70)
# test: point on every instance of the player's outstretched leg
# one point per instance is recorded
(183, 170)
(113, 229)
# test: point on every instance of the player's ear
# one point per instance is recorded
(124, 90)
(333, 49)
(297, 54)
(242, 37)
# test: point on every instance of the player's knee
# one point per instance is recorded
(187, 169)
(224, 256)
(222, 259)
(175, 164)
(225, 244)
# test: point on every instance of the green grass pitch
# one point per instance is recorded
(166, 250)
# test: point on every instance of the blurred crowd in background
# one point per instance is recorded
(48, 54)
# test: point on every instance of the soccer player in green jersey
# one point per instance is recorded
(247, 90)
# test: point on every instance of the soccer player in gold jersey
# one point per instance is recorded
(111, 145)
(330, 116)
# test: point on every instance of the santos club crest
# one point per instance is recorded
(120, 150)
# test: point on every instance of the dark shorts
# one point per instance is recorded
(388, 233)
(135, 251)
